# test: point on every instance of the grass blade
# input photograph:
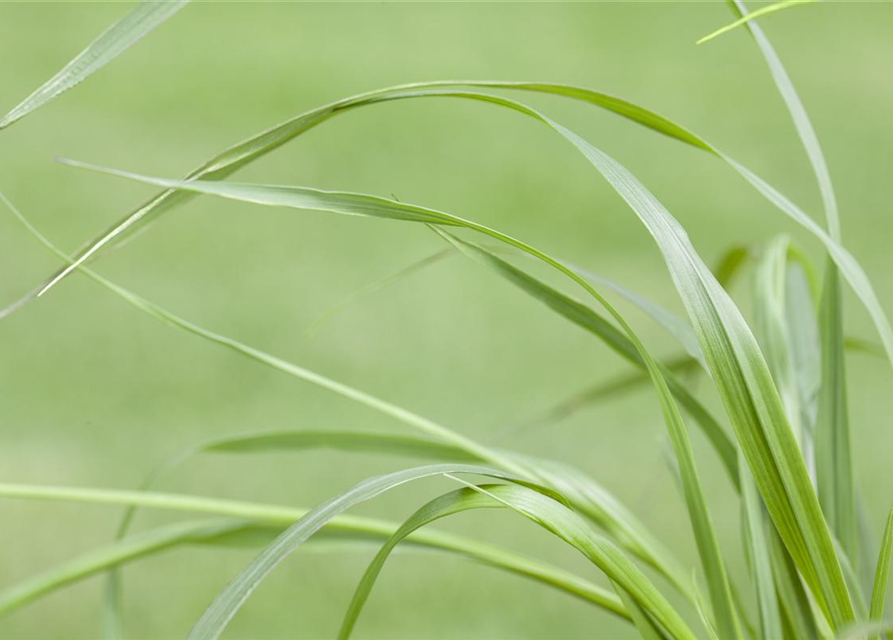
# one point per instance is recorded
(834, 466)
(112, 42)
(232, 159)
(270, 520)
(225, 605)
(879, 589)
(707, 544)
(762, 11)
(549, 514)
(760, 560)
(590, 505)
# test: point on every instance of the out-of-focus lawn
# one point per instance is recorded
(94, 394)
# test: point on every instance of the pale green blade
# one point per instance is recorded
(725, 338)
(762, 11)
(834, 466)
(112, 42)
(590, 505)
(760, 559)
(266, 522)
(788, 331)
(346, 203)
(879, 589)
(547, 513)
(707, 544)
(235, 157)
(798, 114)
(229, 600)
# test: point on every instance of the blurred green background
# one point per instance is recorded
(92, 393)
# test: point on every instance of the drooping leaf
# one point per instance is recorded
(739, 369)
(230, 599)
(707, 544)
(112, 42)
(263, 523)
(549, 514)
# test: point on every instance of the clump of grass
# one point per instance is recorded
(782, 387)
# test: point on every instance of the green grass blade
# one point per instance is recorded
(834, 466)
(762, 11)
(229, 600)
(506, 460)
(760, 559)
(707, 544)
(547, 513)
(232, 159)
(648, 629)
(272, 520)
(95, 561)
(801, 120)
(112, 42)
(786, 324)
(344, 203)
(879, 589)
(792, 596)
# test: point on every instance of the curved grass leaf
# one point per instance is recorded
(235, 157)
(270, 521)
(879, 589)
(227, 603)
(547, 513)
(364, 205)
(112, 42)
(633, 530)
(762, 11)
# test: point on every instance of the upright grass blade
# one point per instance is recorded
(834, 466)
(786, 323)
(793, 598)
(253, 518)
(218, 614)
(762, 11)
(801, 120)
(549, 514)
(879, 589)
(760, 559)
(112, 42)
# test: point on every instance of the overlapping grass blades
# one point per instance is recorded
(753, 15)
(112, 42)
(547, 513)
(740, 373)
(592, 501)
(263, 522)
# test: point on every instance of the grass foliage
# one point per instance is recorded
(784, 438)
